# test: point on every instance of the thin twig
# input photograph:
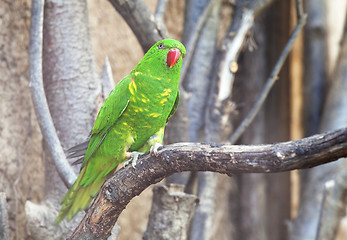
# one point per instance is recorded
(270, 82)
(39, 98)
(299, 10)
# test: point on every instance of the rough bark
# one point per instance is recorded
(227, 159)
(170, 213)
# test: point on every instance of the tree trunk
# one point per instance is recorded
(73, 90)
(170, 214)
(252, 220)
(315, 60)
(21, 175)
(335, 116)
(278, 119)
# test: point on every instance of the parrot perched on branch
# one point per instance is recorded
(131, 120)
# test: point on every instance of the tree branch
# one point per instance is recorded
(242, 22)
(315, 60)
(193, 39)
(128, 182)
(43, 115)
(160, 10)
(141, 21)
(230, 56)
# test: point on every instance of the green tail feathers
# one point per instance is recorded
(78, 198)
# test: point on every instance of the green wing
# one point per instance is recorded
(173, 110)
(110, 111)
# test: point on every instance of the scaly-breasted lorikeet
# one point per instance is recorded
(132, 118)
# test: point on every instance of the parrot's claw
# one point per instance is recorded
(154, 148)
(133, 156)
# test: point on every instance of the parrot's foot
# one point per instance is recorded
(133, 156)
(154, 148)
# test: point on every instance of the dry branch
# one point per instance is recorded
(127, 183)
(232, 53)
(38, 95)
(245, 13)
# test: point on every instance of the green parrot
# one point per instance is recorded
(131, 120)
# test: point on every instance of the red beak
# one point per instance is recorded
(172, 56)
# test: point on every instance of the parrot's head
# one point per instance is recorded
(169, 51)
(164, 57)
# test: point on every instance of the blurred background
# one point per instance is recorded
(309, 97)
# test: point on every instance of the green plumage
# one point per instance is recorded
(132, 118)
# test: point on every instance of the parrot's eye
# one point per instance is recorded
(160, 46)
